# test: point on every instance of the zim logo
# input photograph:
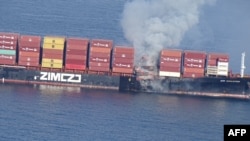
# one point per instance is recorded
(60, 77)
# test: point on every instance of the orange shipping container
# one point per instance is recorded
(212, 62)
(194, 70)
(30, 54)
(26, 58)
(78, 41)
(122, 65)
(195, 54)
(99, 54)
(170, 64)
(171, 53)
(76, 52)
(101, 43)
(99, 64)
(194, 60)
(100, 50)
(28, 63)
(124, 50)
(217, 56)
(123, 55)
(170, 59)
(75, 67)
(99, 59)
(194, 65)
(72, 61)
(123, 60)
(53, 51)
(122, 70)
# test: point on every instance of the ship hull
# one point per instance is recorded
(207, 86)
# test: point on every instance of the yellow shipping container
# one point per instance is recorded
(48, 60)
(52, 65)
(54, 40)
(53, 46)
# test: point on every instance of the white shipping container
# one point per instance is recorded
(170, 74)
(222, 72)
(225, 64)
(222, 69)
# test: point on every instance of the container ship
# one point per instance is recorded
(98, 63)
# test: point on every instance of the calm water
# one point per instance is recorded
(59, 113)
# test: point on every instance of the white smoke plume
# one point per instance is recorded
(151, 25)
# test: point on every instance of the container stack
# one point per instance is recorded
(8, 45)
(194, 64)
(123, 60)
(29, 50)
(76, 53)
(99, 55)
(217, 64)
(53, 48)
(170, 63)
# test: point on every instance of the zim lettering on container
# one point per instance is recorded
(59, 77)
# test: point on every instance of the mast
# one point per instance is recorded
(242, 64)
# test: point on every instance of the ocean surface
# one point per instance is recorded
(46, 113)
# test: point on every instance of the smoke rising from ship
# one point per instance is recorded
(151, 25)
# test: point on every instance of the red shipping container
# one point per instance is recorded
(30, 54)
(217, 56)
(29, 49)
(99, 64)
(123, 55)
(194, 60)
(52, 56)
(195, 54)
(212, 62)
(77, 62)
(99, 54)
(223, 59)
(7, 61)
(100, 50)
(99, 69)
(170, 59)
(76, 52)
(123, 60)
(99, 59)
(170, 64)
(26, 58)
(27, 44)
(9, 36)
(8, 47)
(125, 50)
(194, 65)
(101, 43)
(77, 42)
(28, 63)
(171, 53)
(7, 57)
(30, 38)
(122, 65)
(170, 69)
(53, 51)
(76, 57)
(194, 70)
(8, 43)
(122, 70)
(75, 67)
(192, 75)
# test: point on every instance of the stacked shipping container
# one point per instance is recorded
(170, 63)
(76, 54)
(53, 50)
(29, 50)
(217, 64)
(99, 55)
(123, 60)
(8, 45)
(194, 64)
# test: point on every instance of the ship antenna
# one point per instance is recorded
(242, 64)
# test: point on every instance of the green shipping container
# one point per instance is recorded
(7, 52)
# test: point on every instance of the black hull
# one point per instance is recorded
(216, 87)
